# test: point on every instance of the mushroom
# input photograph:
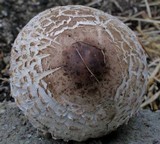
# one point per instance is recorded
(77, 72)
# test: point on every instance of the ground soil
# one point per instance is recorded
(143, 128)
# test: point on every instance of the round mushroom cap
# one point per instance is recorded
(77, 72)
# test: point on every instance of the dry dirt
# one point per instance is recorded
(144, 128)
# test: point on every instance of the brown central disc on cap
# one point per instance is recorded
(84, 63)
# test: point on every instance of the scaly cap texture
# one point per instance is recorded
(77, 72)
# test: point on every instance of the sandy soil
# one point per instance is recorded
(144, 128)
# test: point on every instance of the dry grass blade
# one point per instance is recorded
(156, 70)
(148, 8)
(139, 19)
(154, 63)
(152, 78)
(153, 93)
(152, 99)
(4, 79)
(150, 32)
(151, 4)
(93, 2)
(117, 5)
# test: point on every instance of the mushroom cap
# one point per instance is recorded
(77, 72)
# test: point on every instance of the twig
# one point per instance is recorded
(103, 56)
(86, 65)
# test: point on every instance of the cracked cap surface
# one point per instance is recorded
(50, 89)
